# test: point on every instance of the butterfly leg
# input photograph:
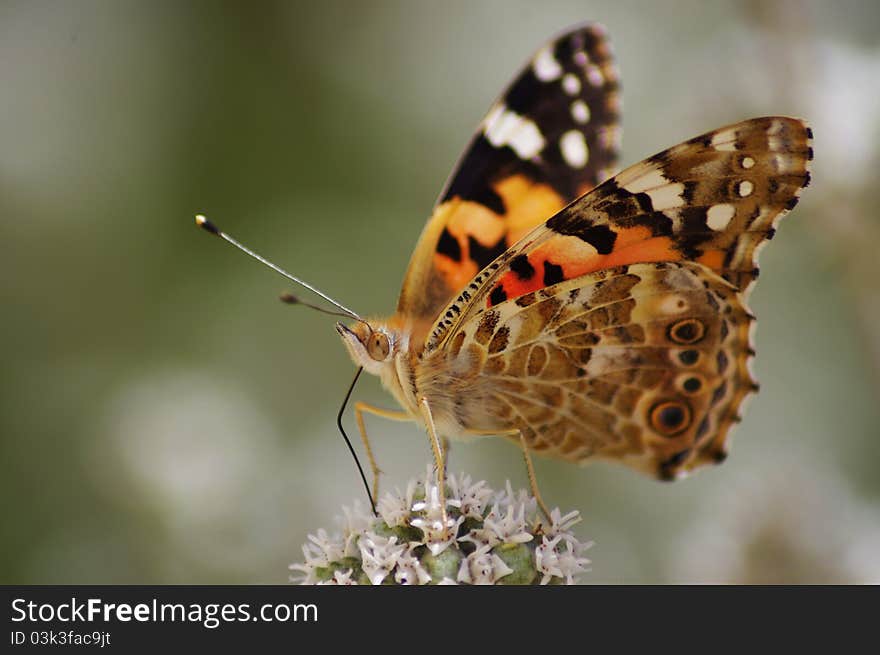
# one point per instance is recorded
(391, 415)
(445, 448)
(439, 459)
(533, 481)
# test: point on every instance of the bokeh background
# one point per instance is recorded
(164, 419)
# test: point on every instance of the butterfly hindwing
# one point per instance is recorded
(711, 200)
(551, 136)
(638, 363)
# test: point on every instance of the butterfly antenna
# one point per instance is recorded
(208, 226)
(348, 441)
(290, 299)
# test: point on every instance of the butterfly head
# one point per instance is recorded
(371, 346)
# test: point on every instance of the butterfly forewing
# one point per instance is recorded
(557, 124)
(551, 136)
(711, 200)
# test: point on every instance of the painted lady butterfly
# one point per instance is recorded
(578, 315)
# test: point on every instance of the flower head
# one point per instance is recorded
(489, 538)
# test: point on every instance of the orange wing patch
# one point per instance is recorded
(474, 235)
(528, 204)
(567, 257)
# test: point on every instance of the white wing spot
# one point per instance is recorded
(664, 194)
(724, 140)
(545, 65)
(594, 75)
(784, 163)
(574, 148)
(673, 304)
(571, 84)
(651, 180)
(745, 188)
(503, 127)
(718, 217)
(580, 111)
(666, 197)
(776, 128)
(748, 162)
(775, 143)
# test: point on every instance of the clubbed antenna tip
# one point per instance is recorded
(207, 225)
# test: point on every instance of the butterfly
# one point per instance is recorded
(581, 315)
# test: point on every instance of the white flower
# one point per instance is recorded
(569, 561)
(472, 498)
(379, 555)
(482, 567)
(395, 509)
(356, 521)
(511, 527)
(410, 570)
(319, 552)
(481, 537)
(331, 549)
(409, 542)
(560, 524)
(520, 497)
(547, 559)
(437, 536)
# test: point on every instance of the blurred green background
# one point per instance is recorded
(164, 419)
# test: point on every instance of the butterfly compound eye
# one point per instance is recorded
(378, 346)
